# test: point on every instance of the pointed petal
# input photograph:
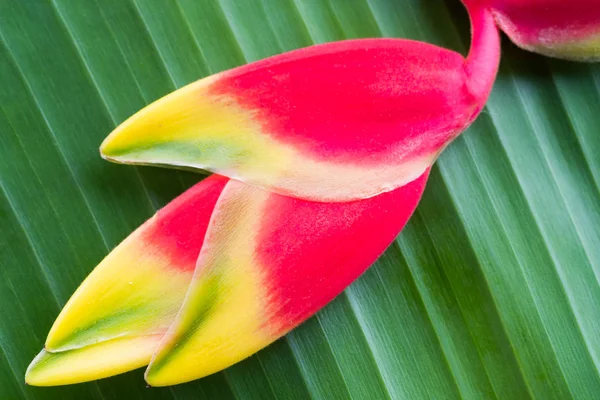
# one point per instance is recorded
(138, 288)
(268, 263)
(93, 362)
(334, 122)
(557, 28)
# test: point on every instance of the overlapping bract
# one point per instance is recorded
(325, 153)
(559, 28)
(266, 264)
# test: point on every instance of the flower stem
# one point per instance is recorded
(484, 56)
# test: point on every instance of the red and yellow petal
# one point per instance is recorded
(334, 122)
(557, 28)
(268, 263)
(138, 288)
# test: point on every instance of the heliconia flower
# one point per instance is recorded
(266, 263)
(333, 122)
(328, 150)
(559, 28)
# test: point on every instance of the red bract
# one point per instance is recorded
(559, 28)
(267, 264)
(334, 122)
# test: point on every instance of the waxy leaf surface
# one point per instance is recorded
(489, 292)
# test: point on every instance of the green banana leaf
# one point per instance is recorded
(491, 291)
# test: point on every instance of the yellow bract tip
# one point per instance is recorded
(91, 362)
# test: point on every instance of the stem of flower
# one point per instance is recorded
(484, 56)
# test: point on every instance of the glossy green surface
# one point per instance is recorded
(492, 291)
